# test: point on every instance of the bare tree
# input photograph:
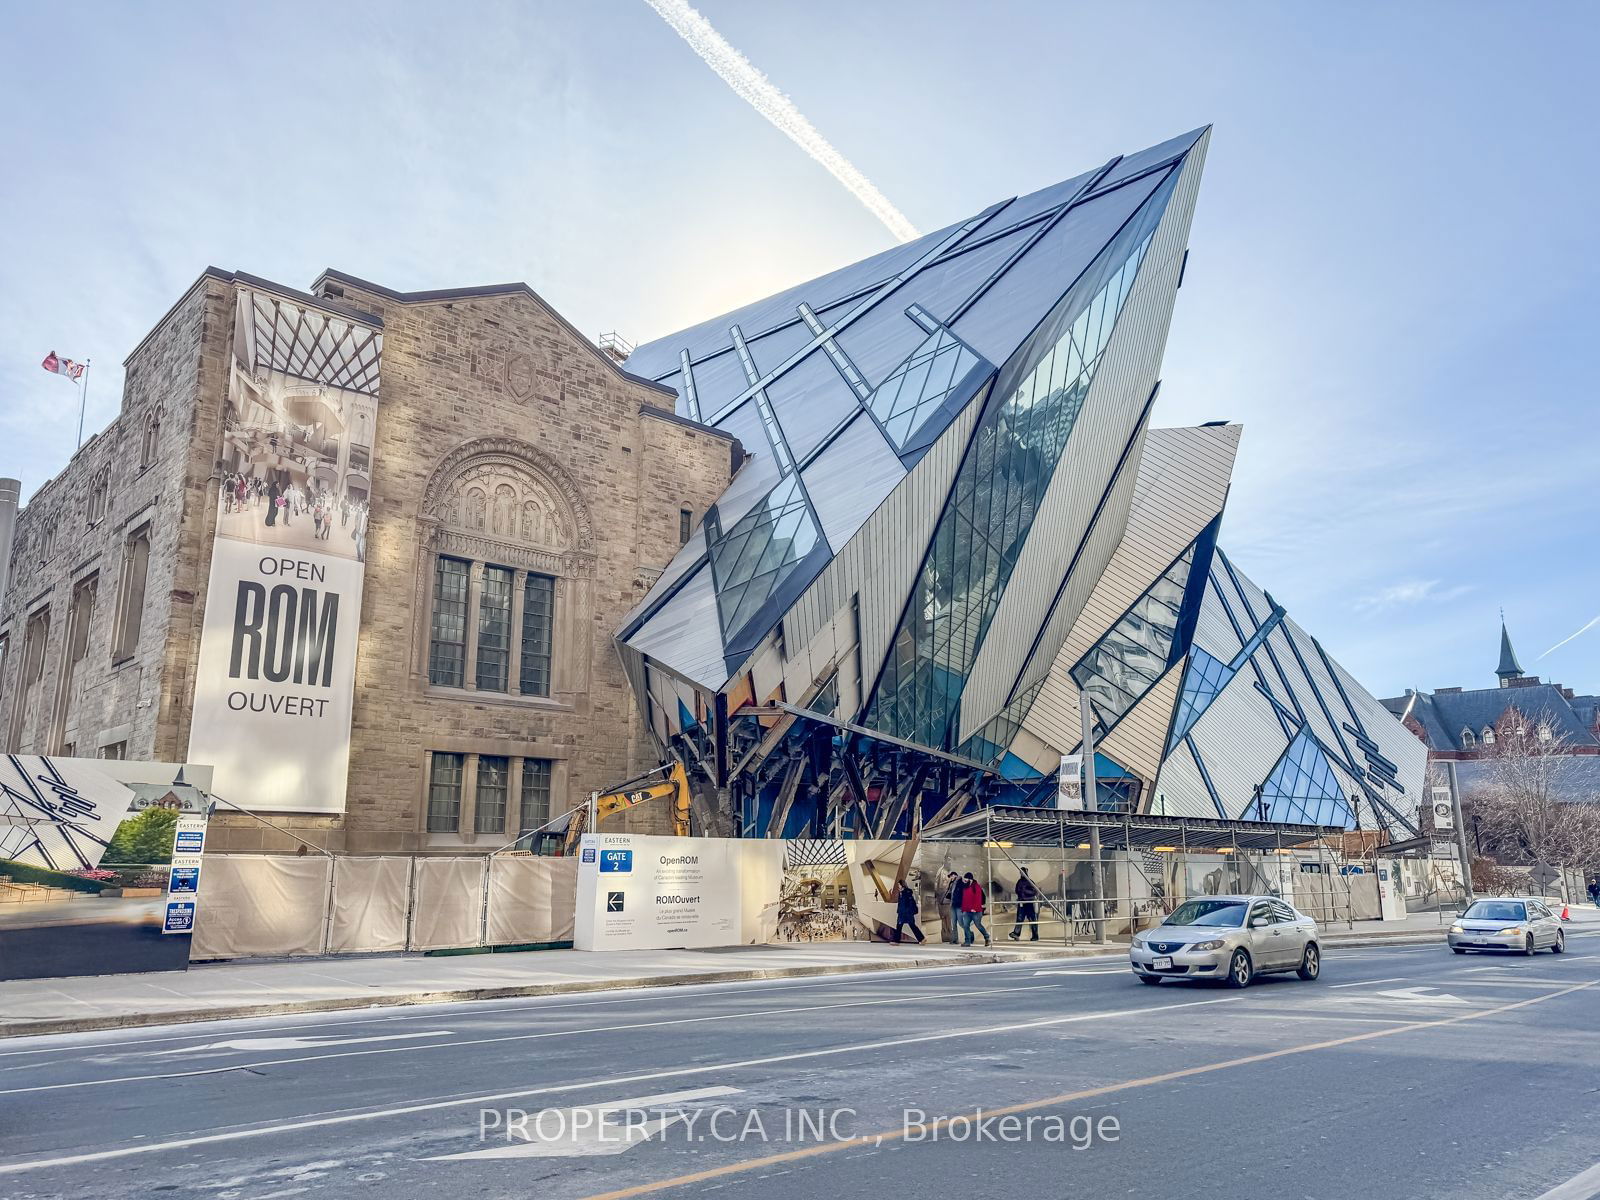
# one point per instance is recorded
(1527, 806)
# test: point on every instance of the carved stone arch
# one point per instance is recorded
(530, 474)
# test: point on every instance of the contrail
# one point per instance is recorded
(757, 90)
(1570, 636)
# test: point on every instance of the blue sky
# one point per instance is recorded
(1392, 279)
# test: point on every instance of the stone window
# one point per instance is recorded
(99, 496)
(116, 750)
(494, 773)
(151, 441)
(447, 653)
(130, 594)
(535, 794)
(80, 613)
(444, 792)
(538, 623)
(511, 573)
(30, 670)
(685, 525)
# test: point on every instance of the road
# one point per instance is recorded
(1404, 1071)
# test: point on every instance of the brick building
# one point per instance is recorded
(525, 491)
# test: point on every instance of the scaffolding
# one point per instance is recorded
(1103, 876)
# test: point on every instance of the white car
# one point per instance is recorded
(1518, 923)
(1231, 938)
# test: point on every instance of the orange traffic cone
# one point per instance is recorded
(1566, 913)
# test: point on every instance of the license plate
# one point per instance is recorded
(1163, 963)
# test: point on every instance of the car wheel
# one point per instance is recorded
(1150, 979)
(1527, 946)
(1458, 949)
(1240, 970)
(1559, 946)
(1310, 963)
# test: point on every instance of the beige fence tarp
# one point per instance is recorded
(447, 907)
(371, 899)
(261, 905)
(531, 900)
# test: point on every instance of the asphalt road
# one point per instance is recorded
(1404, 1071)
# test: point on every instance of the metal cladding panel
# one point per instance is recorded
(850, 478)
(1034, 601)
(685, 633)
(1179, 791)
(1034, 203)
(881, 561)
(810, 400)
(633, 666)
(718, 380)
(1213, 633)
(759, 473)
(770, 350)
(1140, 738)
(1395, 742)
(1132, 164)
(1009, 311)
(1182, 484)
(1240, 740)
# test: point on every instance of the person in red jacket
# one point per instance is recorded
(970, 909)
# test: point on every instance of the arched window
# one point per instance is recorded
(1468, 739)
(1488, 735)
(1544, 732)
(99, 496)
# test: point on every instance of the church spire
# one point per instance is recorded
(1509, 668)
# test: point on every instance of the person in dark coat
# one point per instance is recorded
(1027, 907)
(906, 914)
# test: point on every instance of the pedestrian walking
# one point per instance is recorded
(906, 914)
(948, 907)
(1027, 907)
(971, 910)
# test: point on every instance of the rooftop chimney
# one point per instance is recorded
(10, 494)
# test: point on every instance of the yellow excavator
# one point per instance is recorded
(669, 783)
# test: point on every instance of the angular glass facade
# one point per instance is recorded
(1126, 663)
(917, 390)
(765, 547)
(1303, 787)
(1202, 680)
(1012, 458)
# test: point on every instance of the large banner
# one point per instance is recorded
(658, 893)
(276, 676)
(100, 865)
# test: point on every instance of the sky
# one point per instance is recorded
(1393, 270)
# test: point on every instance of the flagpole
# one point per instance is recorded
(83, 399)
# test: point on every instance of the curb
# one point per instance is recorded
(9, 1029)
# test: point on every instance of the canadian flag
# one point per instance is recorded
(63, 366)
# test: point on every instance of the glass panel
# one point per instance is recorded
(998, 489)
(444, 793)
(493, 774)
(447, 652)
(754, 558)
(912, 394)
(535, 793)
(1126, 663)
(1202, 680)
(538, 618)
(1303, 788)
(494, 629)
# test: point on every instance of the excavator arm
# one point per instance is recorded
(672, 787)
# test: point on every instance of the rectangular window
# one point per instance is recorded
(444, 793)
(535, 793)
(447, 652)
(130, 595)
(117, 750)
(538, 611)
(493, 778)
(685, 525)
(494, 629)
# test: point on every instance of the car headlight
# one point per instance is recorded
(1213, 944)
(1510, 929)
(1457, 929)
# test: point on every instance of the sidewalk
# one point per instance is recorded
(217, 990)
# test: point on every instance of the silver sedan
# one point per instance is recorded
(1231, 938)
(1522, 924)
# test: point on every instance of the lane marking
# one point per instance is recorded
(1100, 971)
(1290, 1014)
(1582, 1186)
(1370, 982)
(300, 1043)
(586, 1131)
(207, 1139)
(893, 1135)
(1414, 995)
(509, 1037)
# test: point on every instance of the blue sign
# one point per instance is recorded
(180, 917)
(616, 860)
(588, 854)
(183, 879)
(190, 841)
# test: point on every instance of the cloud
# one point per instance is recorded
(1411, 591)
(756, 90)
(1583, 630)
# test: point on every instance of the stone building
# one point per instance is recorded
(525, 492)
